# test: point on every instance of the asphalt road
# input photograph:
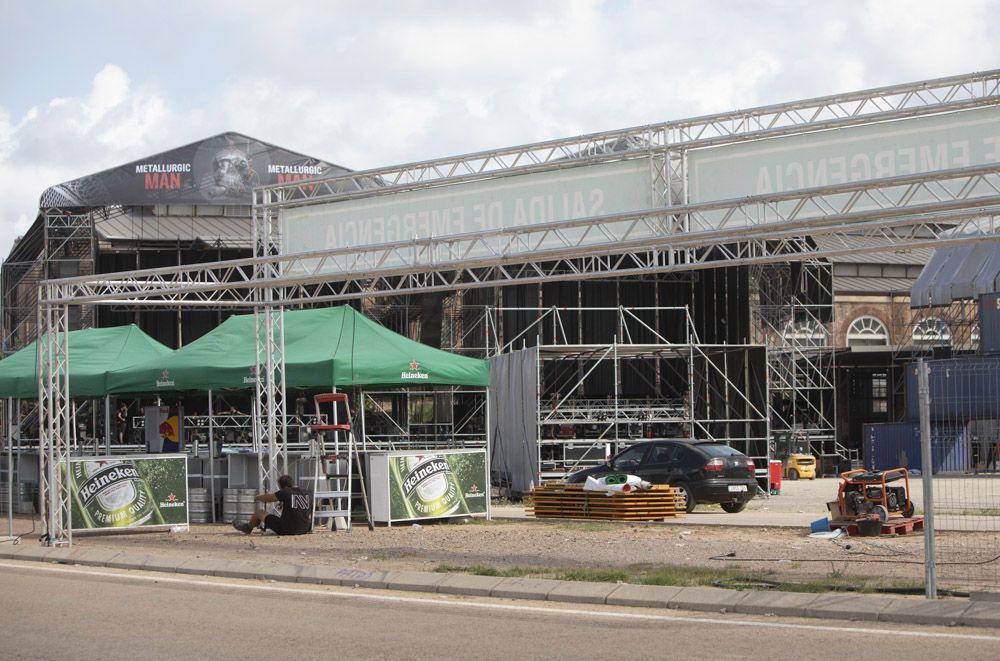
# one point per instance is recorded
(54, 612)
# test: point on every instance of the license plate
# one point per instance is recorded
(737, 487)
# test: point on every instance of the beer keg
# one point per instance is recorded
(199, 506)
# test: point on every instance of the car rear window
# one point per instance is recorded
(718, 450)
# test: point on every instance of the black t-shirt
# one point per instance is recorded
(296, 511)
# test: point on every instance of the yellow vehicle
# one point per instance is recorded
(800, 465)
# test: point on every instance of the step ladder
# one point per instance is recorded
(333, 470)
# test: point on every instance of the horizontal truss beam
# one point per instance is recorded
(866, 106)
(910, 211)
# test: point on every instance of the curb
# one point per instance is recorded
(861, 608)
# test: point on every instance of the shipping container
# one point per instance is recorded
(961, 389)
(897, 445)
(989, 323)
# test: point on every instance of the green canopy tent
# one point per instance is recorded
(324, 348)
(93, 352)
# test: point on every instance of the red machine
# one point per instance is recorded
(864, 494)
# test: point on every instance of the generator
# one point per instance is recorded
(863, 494)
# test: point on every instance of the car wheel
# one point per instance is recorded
(733, 508)
(793, 475)
(688, 496)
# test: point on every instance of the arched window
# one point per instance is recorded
(806, 333)
(867, 332)
(931, 332)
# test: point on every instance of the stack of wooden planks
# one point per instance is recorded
(570, 501)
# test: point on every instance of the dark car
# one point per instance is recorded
(705, 472)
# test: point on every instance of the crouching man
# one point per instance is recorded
(296, 511)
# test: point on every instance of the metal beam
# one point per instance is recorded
(911, 209)
(667, 138)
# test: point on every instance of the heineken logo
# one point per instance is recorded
(105, 479)
(423, 472)
(414, 372)
(252, 378)
(171, 501)
(164, 380)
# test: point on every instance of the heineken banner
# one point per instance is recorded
(428, 485)
(145, 491)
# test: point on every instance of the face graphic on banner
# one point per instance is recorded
(231, 173)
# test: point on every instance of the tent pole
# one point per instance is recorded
(211, 454)
(107, 425)
(8, 420)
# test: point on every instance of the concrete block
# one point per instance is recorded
(282, 573)
(582, 592)
(95, 557)
(716, 600)
(128, 561)
(60, 554)
(237, 569)
(786, 604)
(912, 611)
(161, 563)
(10, 551)
(642, 596)
(860, 608)
(199, 566)
(320, 575)
(31, 551)
(467, 584)
(362, 578)
(981, 614)
(525, 588)
(413, 581)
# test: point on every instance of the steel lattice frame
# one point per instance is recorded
(270, 422)
(679, 238)
(55, 411)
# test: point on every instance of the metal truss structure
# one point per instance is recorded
(442, 417)
(940, 207)
(669, 138)
(680, 387)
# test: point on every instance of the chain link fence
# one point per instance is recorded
(962, 403)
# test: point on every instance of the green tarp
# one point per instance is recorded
(323, 348)
(93, 352)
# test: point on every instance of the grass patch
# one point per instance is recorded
(683, 576)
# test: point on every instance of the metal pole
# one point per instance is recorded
(10, 466)
(926, 457)
(107, 424)
(211, 454)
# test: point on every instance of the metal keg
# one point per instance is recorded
(245, 503)
(24, 498)
(230, 504)
(199, 506)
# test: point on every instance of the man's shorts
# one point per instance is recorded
(274, 523)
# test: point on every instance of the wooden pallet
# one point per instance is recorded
(890, 527)
(570, 501)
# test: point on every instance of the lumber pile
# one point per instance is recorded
(570, 501)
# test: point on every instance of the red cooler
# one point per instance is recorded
(775, 473)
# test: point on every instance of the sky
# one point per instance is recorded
(87, 85)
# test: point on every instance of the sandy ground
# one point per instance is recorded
(706, 538)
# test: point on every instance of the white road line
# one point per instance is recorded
(438, 601)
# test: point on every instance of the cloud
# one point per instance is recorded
(379, 83)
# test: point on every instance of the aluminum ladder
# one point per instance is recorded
(333, 472)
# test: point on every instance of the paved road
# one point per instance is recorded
(55, 612)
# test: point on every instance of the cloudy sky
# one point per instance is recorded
(89, 85)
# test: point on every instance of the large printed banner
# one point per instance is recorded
(424, 486)
(110, 493)
(857, 153)
(478, 206)
(223, 169)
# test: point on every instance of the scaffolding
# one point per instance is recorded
(651, 378)
(948, 206)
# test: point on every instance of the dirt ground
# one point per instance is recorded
(783, 553)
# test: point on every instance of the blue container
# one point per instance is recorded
(897, 445)
(989, 323)
(961, 389)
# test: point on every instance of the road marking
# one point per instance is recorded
(438, 601)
